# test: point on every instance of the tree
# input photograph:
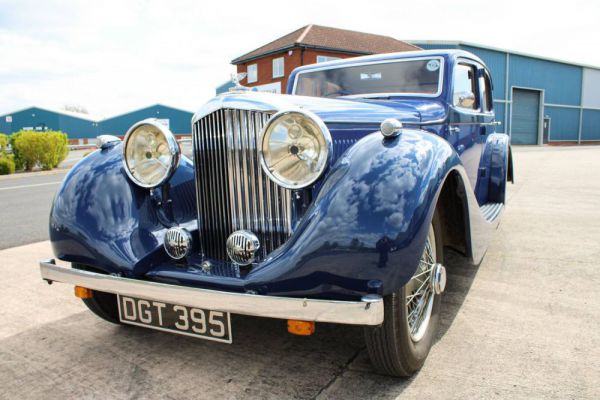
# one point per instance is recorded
(75, 108)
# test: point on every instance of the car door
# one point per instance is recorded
(467, 117)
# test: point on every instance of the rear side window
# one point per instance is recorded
(486, 92)
(464, 95)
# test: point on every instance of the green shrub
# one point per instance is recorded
(7, 165)
(3, 143)
(19, 164)
(56, 149)
(44, 149)
(27, 147)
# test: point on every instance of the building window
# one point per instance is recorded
(464, 87)
(321, 59)
(278, 69)
(252, 73)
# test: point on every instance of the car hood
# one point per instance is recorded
(359, 111)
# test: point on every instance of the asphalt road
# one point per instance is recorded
(525, 324)
(25, 200)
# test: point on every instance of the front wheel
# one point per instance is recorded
(401, 344)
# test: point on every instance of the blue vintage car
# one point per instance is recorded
(333, 204)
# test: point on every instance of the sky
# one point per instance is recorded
(112, 56)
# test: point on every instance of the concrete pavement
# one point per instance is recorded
(524, 324)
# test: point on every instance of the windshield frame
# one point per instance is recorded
(341, 64)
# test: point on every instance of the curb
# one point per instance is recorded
(32, 174)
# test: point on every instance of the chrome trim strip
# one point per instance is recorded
(367, 312)
(255, 101)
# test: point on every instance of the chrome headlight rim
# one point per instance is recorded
(174, 151)
(328, 148)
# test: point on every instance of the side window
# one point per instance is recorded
(252, 73)
(487, 103)
(465, 89)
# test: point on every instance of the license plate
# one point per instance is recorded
(190, 321)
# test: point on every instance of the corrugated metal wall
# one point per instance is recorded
(79, 128)
(36, 118)
(561, 82)
(180, 122)
(591, 125)
(564, 123)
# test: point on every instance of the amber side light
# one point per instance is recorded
(301, 328)
(83, 293)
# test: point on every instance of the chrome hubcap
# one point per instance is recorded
(429, 279)
(438, 278)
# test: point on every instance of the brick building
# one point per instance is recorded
(269, 66)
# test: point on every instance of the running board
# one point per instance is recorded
(491, 211)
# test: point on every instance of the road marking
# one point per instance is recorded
(28, 186)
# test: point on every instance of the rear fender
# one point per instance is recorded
(500, 167)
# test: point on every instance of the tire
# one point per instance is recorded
(392, 348)
(103, 304)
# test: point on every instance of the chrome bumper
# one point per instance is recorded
(369, 311)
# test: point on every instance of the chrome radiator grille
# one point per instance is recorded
(232, 190)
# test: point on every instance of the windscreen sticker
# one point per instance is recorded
(370, 77)
(433, 65)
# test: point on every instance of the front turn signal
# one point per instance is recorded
(301, 328)
(83, 293)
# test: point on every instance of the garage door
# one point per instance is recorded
(525, 116)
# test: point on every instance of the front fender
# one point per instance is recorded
(100, 218)
(365, 230)
(368, 224)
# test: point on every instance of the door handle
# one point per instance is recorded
(453, 129)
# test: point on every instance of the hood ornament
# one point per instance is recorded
(236, 78)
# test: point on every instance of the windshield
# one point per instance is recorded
(404, 77)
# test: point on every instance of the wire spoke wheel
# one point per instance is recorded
(399, 346)
(419, 292)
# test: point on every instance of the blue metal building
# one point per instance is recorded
(538, 100)
(80, 126)
(41, 119)
(178, 121)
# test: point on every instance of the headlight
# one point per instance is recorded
(295, 148)
(150, 153)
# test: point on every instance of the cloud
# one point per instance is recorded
(112, 56)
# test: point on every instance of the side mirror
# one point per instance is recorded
(464, 100)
